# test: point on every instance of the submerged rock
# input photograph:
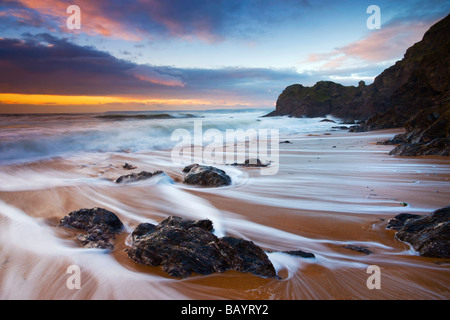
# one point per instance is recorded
(183, 246)
(429, 235)
(357, 248)
(327, 120)
(252, 163)
(205, 176)
(100, 224)
(128, 166)
(300, 253)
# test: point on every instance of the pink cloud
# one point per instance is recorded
(148, 74)
(387, 43)
(129, 22)
(383, 45)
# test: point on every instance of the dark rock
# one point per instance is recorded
(327, 120)
(429, 235)
(285, 141)
(189, 167)
(185, 223)
(398, 139)
(128, 166)
(439, 147)
(86, 219)
(252, 163)
(133, 177)
(206, 176)
(183, 246)
(399, 220)
(97, 237)
(181, 252)
(428, 133)
(361, 249)
(252, 258)
(300, 253)
(142, 230)
(100, 224)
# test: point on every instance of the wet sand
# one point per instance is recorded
(331, 190)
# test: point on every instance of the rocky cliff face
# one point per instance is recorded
(419, 83)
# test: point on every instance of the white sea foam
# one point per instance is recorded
(28, 138)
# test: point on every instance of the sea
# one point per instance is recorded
(31, 137)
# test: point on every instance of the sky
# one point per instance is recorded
(192, 55)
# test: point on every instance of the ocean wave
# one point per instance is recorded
(36, 137)
(119, 117)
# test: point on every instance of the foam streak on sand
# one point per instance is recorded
(330, 191)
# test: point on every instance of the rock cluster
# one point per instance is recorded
(183, 246)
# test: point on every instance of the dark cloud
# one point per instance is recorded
(46, 65)
(43, 64)
(149, 19)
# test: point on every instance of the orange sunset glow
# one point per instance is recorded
(42, 99)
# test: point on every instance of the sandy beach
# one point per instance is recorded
(333, 189)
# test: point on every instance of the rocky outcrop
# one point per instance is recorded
(429, 234)
(324, 98)
(208, 176)
(400, 220)
(403, 95)
(427, 133)
(184, 246)
(99, 224)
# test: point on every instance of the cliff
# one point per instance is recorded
(324, 98)
(417, 84)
